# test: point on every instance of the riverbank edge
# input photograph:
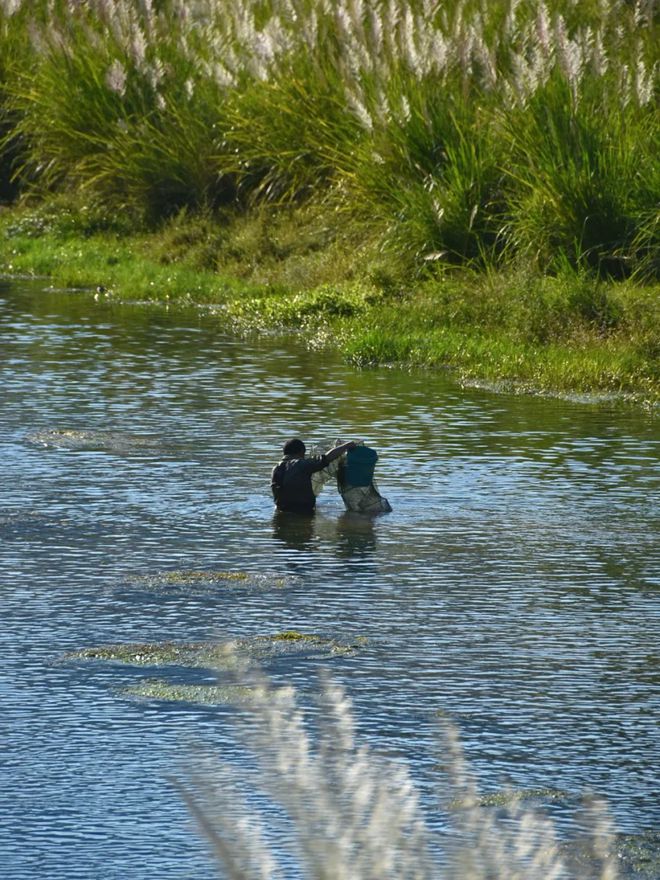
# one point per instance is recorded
(294, 272)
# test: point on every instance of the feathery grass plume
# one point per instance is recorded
(580, 180)
(154, 106)
(109, 107)
(288, 132)
(436, 179)
(311, 801)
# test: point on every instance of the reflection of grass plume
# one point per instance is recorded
(355, 815)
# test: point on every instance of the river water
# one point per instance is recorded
(514, 587)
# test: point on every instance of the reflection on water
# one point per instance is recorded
(295, 530)
(513, 587)
(354, 533)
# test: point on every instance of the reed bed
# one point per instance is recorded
(314, 803)
(469, 132)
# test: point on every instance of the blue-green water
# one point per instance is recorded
(514, 587)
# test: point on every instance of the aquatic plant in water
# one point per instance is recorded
(204, 694)
(205, 581)
(222, 654)
(76, 440)
(345, 812)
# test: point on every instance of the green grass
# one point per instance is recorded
(311, 273)
(468, 185)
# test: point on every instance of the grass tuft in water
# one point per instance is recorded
(191, 576)
(217, 654)
(212, 695)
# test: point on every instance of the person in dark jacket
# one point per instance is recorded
(291, 480)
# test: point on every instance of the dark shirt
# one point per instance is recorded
(291, 483)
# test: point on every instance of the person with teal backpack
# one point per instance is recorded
(355, 482)
(291, 479)
(360, 466)
(298, 478)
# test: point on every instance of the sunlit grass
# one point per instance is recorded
(569, 332)
(473, 133)
(445, 185)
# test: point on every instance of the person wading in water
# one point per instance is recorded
(291, 480)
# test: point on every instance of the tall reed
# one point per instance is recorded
(319, 805)
(475, 132)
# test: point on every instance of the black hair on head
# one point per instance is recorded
(294, 447)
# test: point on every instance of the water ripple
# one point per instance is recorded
(513, 588)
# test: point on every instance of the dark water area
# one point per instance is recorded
(514, 587)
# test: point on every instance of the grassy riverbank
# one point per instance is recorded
(463, 184)
(296, 271)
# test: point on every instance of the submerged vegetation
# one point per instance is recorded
(466, 183)
(204, 694)
(219, 654)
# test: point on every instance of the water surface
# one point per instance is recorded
(514, 587)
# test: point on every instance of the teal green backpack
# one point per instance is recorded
(360, 466)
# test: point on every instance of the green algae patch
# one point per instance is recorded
(212, 695)
(153, 654)
(187, 577)
(511, 796)
(213, 655)
(515, 795)
(292, 641)
(639, 855)
(291, 635)
(74, 440)
(167, 580)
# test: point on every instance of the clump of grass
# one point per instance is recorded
(14, 48)
(472, 133)
(583, 179)
(352, 814)
(217, 654)
(205, 694)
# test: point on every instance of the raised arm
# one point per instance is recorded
(336, 451)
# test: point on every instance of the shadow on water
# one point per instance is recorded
(356, 535)
(294, 530)
(353, 534)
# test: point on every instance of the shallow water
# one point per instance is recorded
(514, 587)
